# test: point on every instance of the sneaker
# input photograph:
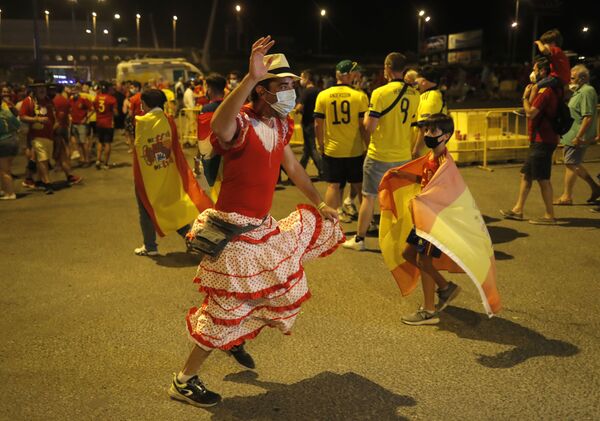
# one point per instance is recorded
(373, 227)
(446, 296)
(241, 356)
(40, 186)
(105, 166)
(595, 210)
(421, 317)
(193, 392)
(342, 217)
(98, 165)
(74, 179)
(349, 209)
(141, 251)
(28, 183)
(48, 190)
(355, 245)
(8, 197)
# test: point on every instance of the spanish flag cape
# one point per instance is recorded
(443, 213)
(163, 179)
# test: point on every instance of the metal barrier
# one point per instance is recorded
(187, 125)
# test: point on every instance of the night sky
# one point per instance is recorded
(365, 29)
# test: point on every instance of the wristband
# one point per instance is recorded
(321, 205)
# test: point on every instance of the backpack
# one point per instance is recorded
(563, 120)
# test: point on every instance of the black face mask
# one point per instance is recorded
(432, 141)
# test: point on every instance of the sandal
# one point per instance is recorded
(562, 202)
(509, 214)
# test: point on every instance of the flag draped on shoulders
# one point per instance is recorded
(163, 179)
(443, 213)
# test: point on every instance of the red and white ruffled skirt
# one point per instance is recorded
(258, 280)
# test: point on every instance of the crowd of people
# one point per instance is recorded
(387, 144)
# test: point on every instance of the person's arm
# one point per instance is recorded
(530, 110)
(585, 124)
(370, 124)
(301, 180)
(319, 134)
(419, 142)
(223, 123)
(544, 48)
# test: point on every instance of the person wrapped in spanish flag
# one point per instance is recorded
(430, 222)
(167, 192)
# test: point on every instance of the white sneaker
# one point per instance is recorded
(141, 251)
(354, 245)
(9, 197)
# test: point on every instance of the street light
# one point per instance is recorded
(585, 29)
(323, 13)
(174, 31)
(420, 19)
(238, 21)
(514, 24)
(137, 28)
(94, 16)
(105, 31)
(117, 16)
(47, 17)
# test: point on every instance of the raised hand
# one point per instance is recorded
(258, 68)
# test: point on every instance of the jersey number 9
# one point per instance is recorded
(344, 111)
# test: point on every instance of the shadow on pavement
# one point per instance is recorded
(501, 235)
(327, 396)
(580, 222)
(500, 255)
(526, 343)
(178, 259)
(489, 219)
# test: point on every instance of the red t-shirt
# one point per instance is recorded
(559, 65)
(105, 110)
(250, 171)
(61, 105)
(540, 127)
(135, 103)
(432, 164)
(79, 108)
(43, 108)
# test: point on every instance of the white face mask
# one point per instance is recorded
(532, 77)
(286, 101)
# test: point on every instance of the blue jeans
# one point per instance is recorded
(148, 231)
(310, 149)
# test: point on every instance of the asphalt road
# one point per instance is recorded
(91, 331)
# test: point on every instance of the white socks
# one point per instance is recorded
(183, 378)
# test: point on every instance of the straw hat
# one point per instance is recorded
(279, 67)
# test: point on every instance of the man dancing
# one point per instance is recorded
(258, 280)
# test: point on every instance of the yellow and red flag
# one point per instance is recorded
(443, 213)
(163, 179)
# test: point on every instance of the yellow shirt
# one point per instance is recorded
(170, 106)
(342, 107)
(90, 97)
(391, 141)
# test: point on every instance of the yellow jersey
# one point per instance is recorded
(342, 107)
(90, 97)
(391, 140)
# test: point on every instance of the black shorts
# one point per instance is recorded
(338, 170)
(105, 135)
(423, 246)
(538, 165)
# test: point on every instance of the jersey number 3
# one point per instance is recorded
(344, 112)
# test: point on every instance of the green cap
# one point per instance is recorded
(346, 66)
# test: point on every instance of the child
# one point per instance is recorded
(420, 252)
(549, 45)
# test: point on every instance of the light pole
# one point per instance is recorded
(137, 28)
(323, 13)
(420, 19)
(238, 22)
(0, 26)
(514, 28)
(72, 3)
(94, 16)
(47, 17)
(174, 31)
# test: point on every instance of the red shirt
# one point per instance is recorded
(43, 108)
(559, 65)
(250, 171)
(105, 110)
(78, 108)
(61, 105)
(135, 103)
(432, 164)
(540, 127)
